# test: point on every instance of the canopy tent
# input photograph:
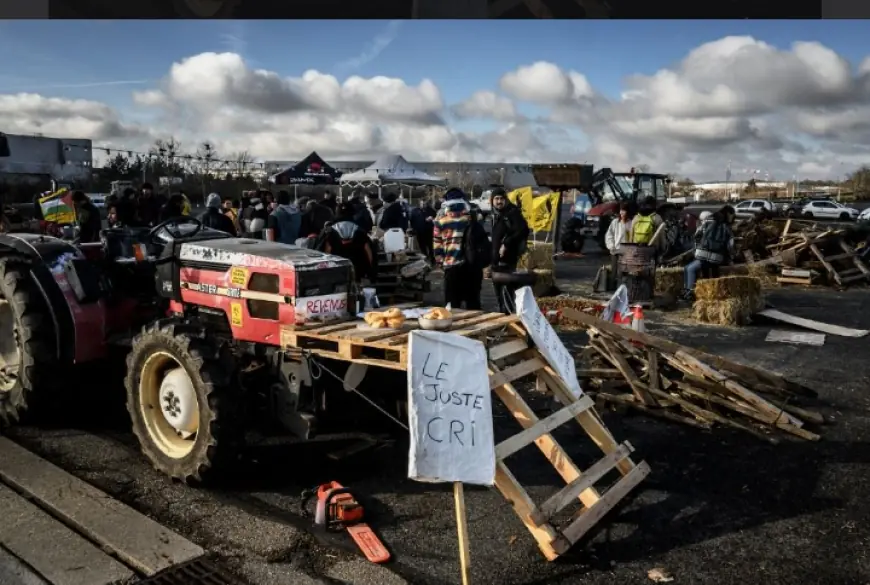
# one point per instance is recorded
(390, 169)
(311, 170)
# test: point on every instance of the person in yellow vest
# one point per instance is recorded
(645, 224)
(185, 206)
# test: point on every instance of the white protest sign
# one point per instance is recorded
(449, 410)
(547, 340)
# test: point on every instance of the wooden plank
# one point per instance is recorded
(859, 263)
(474, 317)
(14, 571)
(787, 280)
(513, 444)
(53, 550)
(507, 349)
(136, 539)
(554, 504)
(588, 419)
(738, 389)
(590, 517)
(552, 450)
(814, 325)
(614, 355)
(668, 346)
(515, 372)
(831, 270)
(549, 541)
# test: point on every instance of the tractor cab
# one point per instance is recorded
(609, 189)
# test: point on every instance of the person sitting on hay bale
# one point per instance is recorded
(618, 232)
(714, 245)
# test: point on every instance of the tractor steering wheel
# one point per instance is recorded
(171, 226)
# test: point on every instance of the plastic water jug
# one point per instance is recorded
(394, 241)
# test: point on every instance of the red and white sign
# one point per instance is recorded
(322, 306)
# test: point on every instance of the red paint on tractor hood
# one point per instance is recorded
(604, 209)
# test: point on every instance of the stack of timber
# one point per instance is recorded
(630, 370)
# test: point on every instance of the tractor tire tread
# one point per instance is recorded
(210, 366)
(36, 338)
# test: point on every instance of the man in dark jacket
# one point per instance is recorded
(174, 208)
(345, 238)
(88, 218)
(314, 217)
(394, 214)
(148, 206)
(361, 215)
(330, 202)
(422, 222)
(285, 221)
(510, 232)
(214, 218)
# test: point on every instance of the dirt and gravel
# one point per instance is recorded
(718, 507)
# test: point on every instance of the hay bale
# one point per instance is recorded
(539, 256)
(669, 281)
(544, 283)
(765, 273)
(734, 270)
(733, 312)
(728, 287)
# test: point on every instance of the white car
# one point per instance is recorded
(864, 215)
(750, 207)
(98, 199)
(829, 210)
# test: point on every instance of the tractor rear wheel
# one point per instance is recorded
(27, 340)
(181, 400)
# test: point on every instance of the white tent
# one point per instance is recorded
(390, 169)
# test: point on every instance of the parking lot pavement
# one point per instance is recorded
(718, 508)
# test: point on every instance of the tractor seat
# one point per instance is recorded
(517, 279)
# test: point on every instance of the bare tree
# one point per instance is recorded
(239, 163)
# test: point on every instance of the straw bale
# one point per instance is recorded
(728, 287)
(669, 281)
(538, 256)
(544, 283)
(763, 272)
(567, 302)
(733, 312)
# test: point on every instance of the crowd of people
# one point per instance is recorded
(713, 240)
(449, 234)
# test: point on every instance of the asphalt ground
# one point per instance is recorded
(719, 507)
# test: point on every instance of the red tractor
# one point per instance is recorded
(609, 189)
(199, 315)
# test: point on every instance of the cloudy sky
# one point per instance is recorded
(787, 98)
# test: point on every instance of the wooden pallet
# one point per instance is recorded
(845, 268)
(511, 361)
(387, 348)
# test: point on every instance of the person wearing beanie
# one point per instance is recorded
(462, 279)
(393, 216)
(510, 234)
(214, 218)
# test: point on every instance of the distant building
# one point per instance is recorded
(37, 158)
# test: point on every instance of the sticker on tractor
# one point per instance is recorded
(322, 305)
(236, 319)
(239, 276)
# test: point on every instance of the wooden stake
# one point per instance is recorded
(462, 530)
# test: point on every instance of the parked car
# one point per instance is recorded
(829, 210)
(750, 207)
(864, 215)
(796, 207)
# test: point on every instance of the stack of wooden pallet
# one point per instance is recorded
(633, 370)
(801, 251)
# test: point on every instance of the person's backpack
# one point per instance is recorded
(643, 229)
(476, 246)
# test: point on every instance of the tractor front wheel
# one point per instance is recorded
(181, 399)
(27, 341)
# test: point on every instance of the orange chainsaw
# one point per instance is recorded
(337, 508)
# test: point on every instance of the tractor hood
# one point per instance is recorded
(603, 209)
(244, 252)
